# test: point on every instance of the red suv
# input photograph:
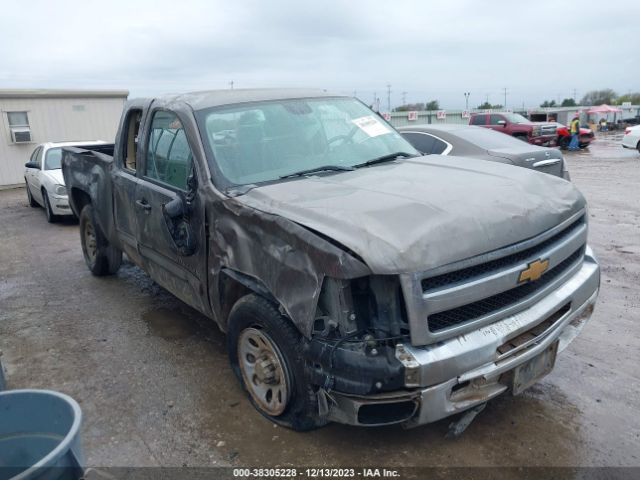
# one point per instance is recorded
(514, 124)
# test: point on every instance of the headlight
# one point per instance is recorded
(60, 190)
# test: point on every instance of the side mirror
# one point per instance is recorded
(174, 208)
(502, 122)
(176, 218)
(31, 165)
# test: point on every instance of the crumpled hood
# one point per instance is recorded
(418, 214)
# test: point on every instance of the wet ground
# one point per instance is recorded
(152, 377)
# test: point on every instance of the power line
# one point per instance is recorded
(388, 97)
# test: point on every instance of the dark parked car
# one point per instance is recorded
(484, 144)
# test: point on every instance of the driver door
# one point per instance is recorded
(170, 213)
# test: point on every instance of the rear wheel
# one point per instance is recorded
(32, 202)
(51, 217)
(266, 354)
(523, 138)
(101, 257)
(638, 147)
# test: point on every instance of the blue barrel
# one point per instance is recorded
(39, 436)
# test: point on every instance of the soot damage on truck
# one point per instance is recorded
(357, 281)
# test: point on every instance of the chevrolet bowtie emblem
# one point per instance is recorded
(534, 271)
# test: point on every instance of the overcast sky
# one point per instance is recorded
(537, 49)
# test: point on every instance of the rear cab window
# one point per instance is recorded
(129, 149)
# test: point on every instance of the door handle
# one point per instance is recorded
(546, 163)
(143, 205)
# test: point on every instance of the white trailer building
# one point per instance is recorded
(30, 117)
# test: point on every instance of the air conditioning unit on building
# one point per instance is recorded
(21, 135)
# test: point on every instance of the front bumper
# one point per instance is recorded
(60, 204)
(454, 375)
(544, 141)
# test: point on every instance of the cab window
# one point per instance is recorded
(478, 120)
(495, 119)
(130, 145)
(169, 158)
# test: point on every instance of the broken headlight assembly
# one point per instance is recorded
(358, 323)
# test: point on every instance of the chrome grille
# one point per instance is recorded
(455, 316)
(465, 295)
(487, 268)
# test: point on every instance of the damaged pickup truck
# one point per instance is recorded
(357, 281)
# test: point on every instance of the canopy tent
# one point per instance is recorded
(603, 112)
(604, 108)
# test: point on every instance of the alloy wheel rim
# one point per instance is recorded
(90, 241)
(264, 371)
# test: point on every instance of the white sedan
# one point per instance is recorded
(631, 138)
(43, 176)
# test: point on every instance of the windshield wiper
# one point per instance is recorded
(323, 168)
(386, 158)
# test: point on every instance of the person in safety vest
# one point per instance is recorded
(574, 130)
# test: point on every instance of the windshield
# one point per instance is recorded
(52, 161)
(516, 118)
(261, 142)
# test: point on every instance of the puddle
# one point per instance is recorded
(539, 428)
(170, 324)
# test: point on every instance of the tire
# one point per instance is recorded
(563, 142)
(101, 257)
(32, 202)
(51, 217)
(522, 138)
(638, 147)
(255, 318)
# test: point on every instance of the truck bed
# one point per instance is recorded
(90, 178)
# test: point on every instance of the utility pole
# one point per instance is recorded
(466, 100)
(389, 97)
(487, 98)
(231, 84)
(575, 94)
(404, 98)
(505, 98)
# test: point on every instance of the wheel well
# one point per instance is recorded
(79, 199)
(233, 286)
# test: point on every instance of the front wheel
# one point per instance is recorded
(51, 217)
(563, 142)
(101, 257)
(266, 354)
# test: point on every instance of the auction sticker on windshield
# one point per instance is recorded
(371, 126)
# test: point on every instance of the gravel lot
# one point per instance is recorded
(152, 377)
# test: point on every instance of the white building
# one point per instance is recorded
(30, 117)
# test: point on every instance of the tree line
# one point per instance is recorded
(597, 97)
(592, 97)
